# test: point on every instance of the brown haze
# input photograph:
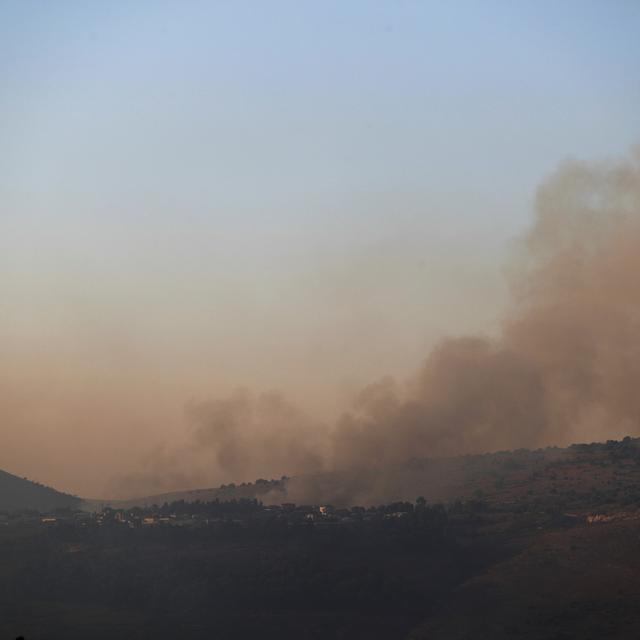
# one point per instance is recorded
(565, 368)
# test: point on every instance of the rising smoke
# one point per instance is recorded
(565, 367)
(567, 364)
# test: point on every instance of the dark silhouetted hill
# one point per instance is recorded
(17, 494)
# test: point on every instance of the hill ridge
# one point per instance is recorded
(18, 494)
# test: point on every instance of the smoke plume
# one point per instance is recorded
(565, 366)
(257, 436)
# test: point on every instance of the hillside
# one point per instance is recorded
(265, 490)
(498, 477)
(539, 545)
(17, 494)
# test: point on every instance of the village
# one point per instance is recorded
(243, 512)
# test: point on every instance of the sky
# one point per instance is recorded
(299, 196)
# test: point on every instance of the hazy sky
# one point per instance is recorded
(300, 196)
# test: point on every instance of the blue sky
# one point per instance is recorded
(162, 106)
(300, 195)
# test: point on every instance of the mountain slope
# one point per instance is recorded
(498, 477)
(19, 493)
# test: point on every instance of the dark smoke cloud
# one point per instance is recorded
(471, 395)
(565, 367)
